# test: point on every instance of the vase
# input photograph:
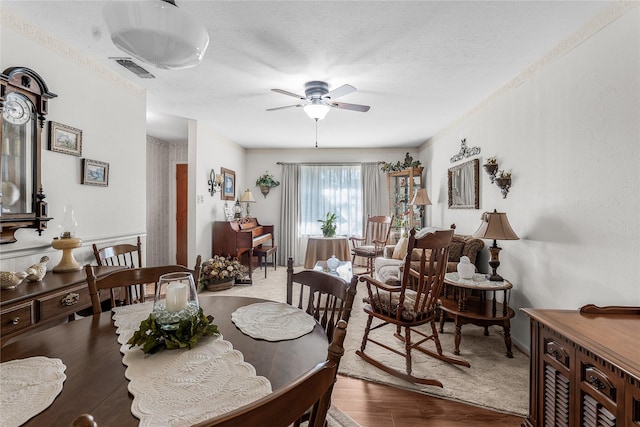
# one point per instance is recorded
(215, 286)
(333, 263)
(265, 190)
(465, 268)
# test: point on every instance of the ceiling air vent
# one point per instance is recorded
(134, 68)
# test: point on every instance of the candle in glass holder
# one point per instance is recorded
(177, 296)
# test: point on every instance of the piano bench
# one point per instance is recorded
(263, 252)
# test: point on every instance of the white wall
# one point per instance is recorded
(111, 112)
(568, 129)
(210, 151)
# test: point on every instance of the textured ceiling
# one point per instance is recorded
(420, 65)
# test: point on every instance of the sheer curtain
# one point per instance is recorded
(309, 192)
(374, 191)
(289, 245)
(331, 188)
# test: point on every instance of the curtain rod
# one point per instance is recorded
(326, 163)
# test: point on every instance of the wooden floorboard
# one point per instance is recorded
(378, 405)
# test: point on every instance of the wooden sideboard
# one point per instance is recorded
(585, 367)
(34, 305)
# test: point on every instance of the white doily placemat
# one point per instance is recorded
(184, 387)
(273, 321)
(28, 387)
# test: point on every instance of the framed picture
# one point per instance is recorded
(95, 173)
(228, 184)
(65, 139)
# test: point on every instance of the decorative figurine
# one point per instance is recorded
(10, 279)
(36, 272)
(465, 268)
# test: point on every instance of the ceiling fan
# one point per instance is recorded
(319, 100)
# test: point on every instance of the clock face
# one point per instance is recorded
(16, 109)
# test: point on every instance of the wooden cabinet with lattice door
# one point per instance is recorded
(402, 186)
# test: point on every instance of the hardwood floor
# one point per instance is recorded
(377, 405)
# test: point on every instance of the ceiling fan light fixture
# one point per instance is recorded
(316, 110)
(157, 33)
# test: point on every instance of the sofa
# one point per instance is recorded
(387, 267)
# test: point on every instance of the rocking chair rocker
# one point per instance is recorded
(411, 304)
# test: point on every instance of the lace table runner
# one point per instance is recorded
(273, 321)
(28, 387)
(183, 387)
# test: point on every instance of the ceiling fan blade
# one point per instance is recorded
(286, 106)
(284, 92)
(352, 107)
(340, 91)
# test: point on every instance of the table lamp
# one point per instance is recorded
(495, 225)
(247, 197)
(421, 199)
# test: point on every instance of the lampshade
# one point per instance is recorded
(421, 198)
(156, 32)
(316, 109)
(495, 225)
(247, 197)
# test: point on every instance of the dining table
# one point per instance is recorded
(95, 374)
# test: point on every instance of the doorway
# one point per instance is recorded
(182, 191)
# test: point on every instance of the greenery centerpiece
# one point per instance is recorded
(266, 182)
(400, 166)
(153, 337)
(328, 225)
(221, 270)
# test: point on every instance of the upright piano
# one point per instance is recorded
(238, 238)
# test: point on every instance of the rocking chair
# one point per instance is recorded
(411, 304)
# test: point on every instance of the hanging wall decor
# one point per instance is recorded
(465, 151)
(95, 173)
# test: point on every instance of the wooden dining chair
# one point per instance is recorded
(124, 255)
(411, 304)
(285, 407)
(326, 297)
(130, 277)
(371, 246)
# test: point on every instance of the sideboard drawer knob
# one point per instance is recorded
(15, 320)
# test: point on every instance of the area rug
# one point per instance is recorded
(493, 381)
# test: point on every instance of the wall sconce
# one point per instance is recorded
(215, 182)
(503, 181)
(491, 167)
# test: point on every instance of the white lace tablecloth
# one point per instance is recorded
(273, 321)
(28, 387)
(183, 387)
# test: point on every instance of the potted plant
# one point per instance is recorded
(266, 182)
(328, 225)
(219, 273)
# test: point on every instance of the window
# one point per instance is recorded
(331, 188)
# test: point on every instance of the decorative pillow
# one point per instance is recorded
(401, 248)
(455, 251)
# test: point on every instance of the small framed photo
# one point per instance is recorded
(65, 139)
(228, 184)
(95, 173)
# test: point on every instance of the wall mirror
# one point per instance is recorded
(464, 185)
(24, 103)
